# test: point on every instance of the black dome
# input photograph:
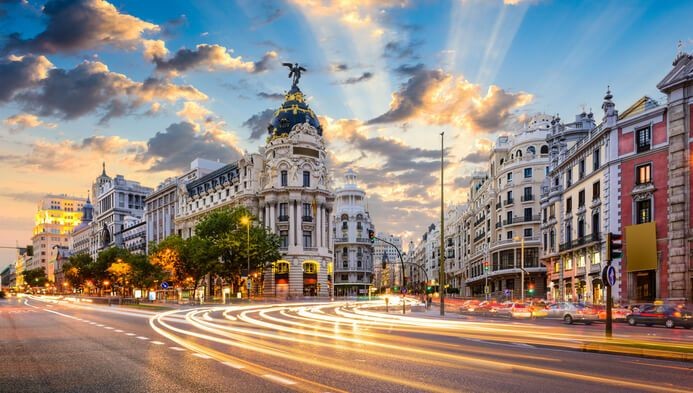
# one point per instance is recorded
(293, 111)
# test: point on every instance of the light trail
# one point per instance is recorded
(321, 335)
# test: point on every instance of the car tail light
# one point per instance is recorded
(677, 314)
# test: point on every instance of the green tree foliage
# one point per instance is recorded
(225, 230)
(77, 269)
(35, 277)
(103, 262)
(166, 256)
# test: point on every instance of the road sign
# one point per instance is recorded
(507, 292)
(487, 289)
(404, 290)
(609, 276)
(164, 285)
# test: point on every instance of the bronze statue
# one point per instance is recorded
(295, 72)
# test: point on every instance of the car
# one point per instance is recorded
(618, 314)
(519, 310)
(666, 315)
(572, 312)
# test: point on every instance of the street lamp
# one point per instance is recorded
(106, 283)
(521, 239)
(245, 220)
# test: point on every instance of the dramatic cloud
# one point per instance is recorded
(477, 157)
(23, 121)
(409, 69)
(193, 112)
(78, 25)
(176, 147)
(154, 49)
(210, 58)
(462, 182)
(19, 73)
(91, 87)
(353, 14)
(361, 78)
(270, 96)
(258, 123)
(399, 50)
(439, 98)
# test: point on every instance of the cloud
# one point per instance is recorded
(361, 78)
(409, 69)
(399, 50)
(193, 112)
(339, 67)
(462, 182)
(78, 25)
(270, 96)
(176, 147)
(172, 26)
(154, 49)
(440, 98)
(476, 157)
(211, 58)
(22, 121)
(258, 123)
(19, 73)
(353, 14)
(90, 87)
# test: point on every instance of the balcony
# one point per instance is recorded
(498, 205)
(521, 219)
(307, 218)
(527, 198)
(509, 201)
(284, 218)
(479, 220)
(581, 241)
(480, 236)
(499, 224)
(363, 240)
(341, 239)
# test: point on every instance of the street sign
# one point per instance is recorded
(507, 292)
(487, 290)
(609, 276)
(164, 285)
(404, 290)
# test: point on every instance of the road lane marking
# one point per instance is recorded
(157, 342)
(177, 348)
(279, 379)
(118, 331)
(100, 325)
(142, 338)
(202, 356)
(663, 366)
(108, 327)
(234, 365)
(129, 334)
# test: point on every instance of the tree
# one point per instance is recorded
(104, 261)
(35, 277)
(144, 273)
(199, 257)
(166, 256)
(229, 238)
(77, 269)
(121, 273)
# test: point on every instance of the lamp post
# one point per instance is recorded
(245, 220)
(441, 269)
(522, 266)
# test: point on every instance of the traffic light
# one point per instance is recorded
(487, 267)
(531, 289)
(428, 289)
(614, 246)
(371, 235)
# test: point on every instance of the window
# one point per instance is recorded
(596, 258)
(359, 277)
(552, 239)
(546, 243)
(527, 194)
(644, 139)
(283, 212)
(581, 199)
(568, 178)
(596, 190)
(569, 205)
(581, 229)
(581, 166)
(284, 238)
(568, 264)
(595, 226)
(581, 261)
(306, 179)
(595, 159)
(284, 179)
(306, 212)
(528, 173)
(345, 277)
(528, 214)
(509, 235)
(307, 239)
(528, 232)
(510, 177)
(644, 174)
(359, 264)
(532, 150)
(310, 268)
(556, 267)
(510, 198)
(345, 264)
(644, 211)
(509, 217)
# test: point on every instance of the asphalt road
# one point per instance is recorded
(325, 347)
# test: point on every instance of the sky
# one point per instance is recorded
(148, 86)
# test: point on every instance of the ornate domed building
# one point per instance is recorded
(286, 185)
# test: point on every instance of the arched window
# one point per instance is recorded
(281, 267)
(310, 267)
(544, 150)
(502, 161)
(532, 150)
(519, 154)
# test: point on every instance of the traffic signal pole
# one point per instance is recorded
(373, 238)
(613, 250)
